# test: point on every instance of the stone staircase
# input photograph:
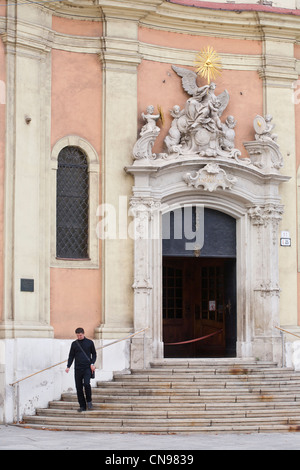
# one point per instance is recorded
(185, 396)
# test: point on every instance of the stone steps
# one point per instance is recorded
(203, 398)
(171, 413)
(196, 385)
(166, 405)
(177, 396)
(167, 425)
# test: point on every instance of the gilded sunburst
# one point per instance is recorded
(208, 64)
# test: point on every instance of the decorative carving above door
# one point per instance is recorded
(199, 131)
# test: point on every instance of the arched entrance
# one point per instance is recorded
(199, 284)
(249, 196)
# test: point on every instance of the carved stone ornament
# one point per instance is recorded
(264, 151)
(267, 289)
(267, 215)
(148, 135)
(142, 285)
(263, 215)
(196, 129)
(210, 177)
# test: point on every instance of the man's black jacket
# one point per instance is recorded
(81, 361)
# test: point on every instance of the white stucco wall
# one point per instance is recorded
(22, 357)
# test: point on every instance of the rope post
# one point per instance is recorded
(17, 395)
(282, 346)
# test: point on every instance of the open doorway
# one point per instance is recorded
(199, 301)
(199, 292)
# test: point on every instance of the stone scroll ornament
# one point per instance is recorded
(197, 127)
(210, 178)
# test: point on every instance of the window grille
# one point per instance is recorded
(72, 204)
(172, 292)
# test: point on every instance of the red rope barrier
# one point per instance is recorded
(196, 339)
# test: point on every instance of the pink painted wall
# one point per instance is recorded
(193, 42)
(75, 297)
(76, 27)
(75, 301)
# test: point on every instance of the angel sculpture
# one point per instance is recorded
(172, 141)
(200, 125)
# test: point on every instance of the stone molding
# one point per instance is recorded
(267, 289)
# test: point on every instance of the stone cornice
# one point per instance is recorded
(160, 14)
(228, 21)
(139, 7)
(75, 9)
(182, 19)
(239, 7)
(30, 38)
(223, 23)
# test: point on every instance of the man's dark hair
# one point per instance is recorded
(79, 330)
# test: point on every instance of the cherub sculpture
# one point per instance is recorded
(228, 137)
(151, 119)
(172, 141)
(148, 134)
(264, 128)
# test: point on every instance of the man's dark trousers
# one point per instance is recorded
(82, 379)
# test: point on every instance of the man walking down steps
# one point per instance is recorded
(84, 352)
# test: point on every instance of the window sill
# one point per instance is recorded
(74, 263)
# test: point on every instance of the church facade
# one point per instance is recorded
(149, 173)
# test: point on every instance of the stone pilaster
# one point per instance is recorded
(120, 59)
(265, 219)
(278, 74)
(28, 60)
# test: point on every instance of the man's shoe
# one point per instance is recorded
(81, 409)
(90, 405)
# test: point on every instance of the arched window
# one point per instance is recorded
(72, 204)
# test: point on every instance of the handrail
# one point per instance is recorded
(281, 329)
(59, 363)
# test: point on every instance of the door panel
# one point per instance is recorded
(194, 305)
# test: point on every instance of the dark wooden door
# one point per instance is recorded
(193, 306)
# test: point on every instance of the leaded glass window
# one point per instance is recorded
(72, 204)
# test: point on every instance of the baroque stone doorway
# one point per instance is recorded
(254, 203)
(201, 166)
